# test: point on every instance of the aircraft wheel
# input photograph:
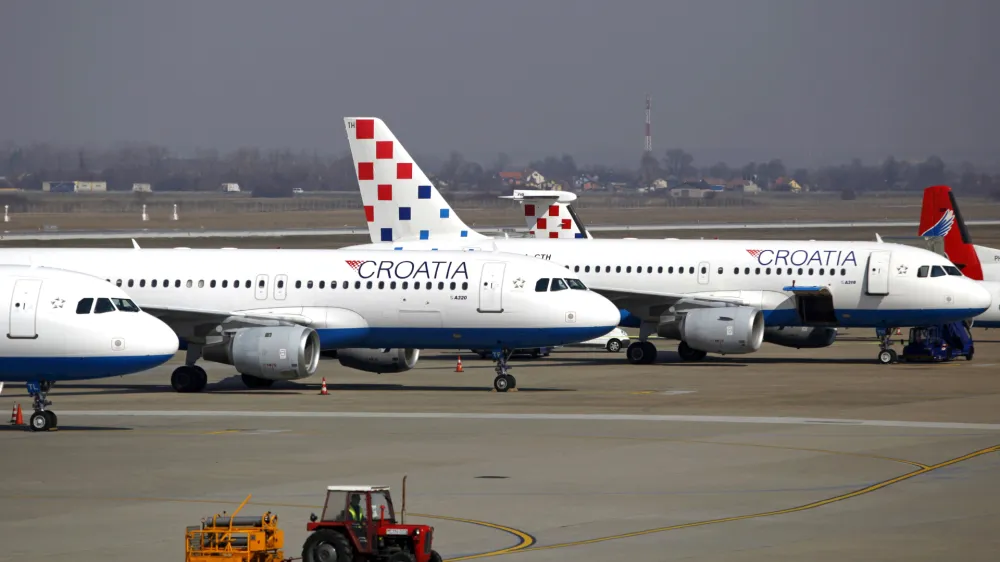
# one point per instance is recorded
(187, 378)
(40, 422)
(886, 356)
(636, 353)
(614, 346)
(53, 418)
(650, 352)
(502, 383)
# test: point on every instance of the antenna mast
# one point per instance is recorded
(649, 134)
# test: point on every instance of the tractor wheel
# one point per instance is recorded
(401, 556)
(435, 557)
(327, 546)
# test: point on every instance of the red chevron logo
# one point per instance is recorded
(355, 264)
(754, 253)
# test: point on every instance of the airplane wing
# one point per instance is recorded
(653, 304)
(201, 323)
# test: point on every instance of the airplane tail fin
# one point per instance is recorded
(400, 201)
(940, 216)
(548, 214)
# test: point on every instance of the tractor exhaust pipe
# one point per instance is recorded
(402, 512)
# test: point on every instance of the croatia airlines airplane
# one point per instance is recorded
(940, 216)
(714, 296)
(270, 313)
(62, 325)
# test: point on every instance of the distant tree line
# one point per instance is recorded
(277, 173)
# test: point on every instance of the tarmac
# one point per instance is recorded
(785, 454)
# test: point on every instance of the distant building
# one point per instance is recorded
(535, 179)
(512, 178)
(142, 188)
(231, 187)
(75, 186)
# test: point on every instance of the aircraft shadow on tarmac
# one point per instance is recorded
(70, 428)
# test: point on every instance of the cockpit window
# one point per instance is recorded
(103, 305)
(542, 285)
(84, 306)
(558, 285)
(937, 271)
(125, 305)
(952, 270)
(576, 284)
(923, 271)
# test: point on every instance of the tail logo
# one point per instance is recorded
(943, 226)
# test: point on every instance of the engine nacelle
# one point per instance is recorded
(800, 336)
(274, 353)
(726, 330)
(379, 360)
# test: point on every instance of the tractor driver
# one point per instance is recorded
(356, 512)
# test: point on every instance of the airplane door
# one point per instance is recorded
(280, 287)
(491, 287)
(703, 269)
(260, 287)
(878, 272)
(23, 307)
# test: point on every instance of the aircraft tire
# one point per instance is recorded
(637, 353)
(886, 357)
(502, 383)
(40, 422)
(187, 378)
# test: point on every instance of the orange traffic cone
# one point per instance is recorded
(899, 332)
(20, 416)
(458, 366)
(322, 390)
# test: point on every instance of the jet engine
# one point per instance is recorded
(274, 353)
(800, 336)
(726, 330)
(379, 360)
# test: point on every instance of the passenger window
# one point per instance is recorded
(406, 285)
(322, 284)
(607, 269)
(670, 269)
(211, 284)
(381, 284)
(746, 271)
(937, 271)
(659, 269)
(618, 269)
(691, 270)
(357, 284)
(309, 285)
(558, 285)
(810, 271)
(142, 282)
(720, 271)
(103, 305)
(153, 283)
(800, 271)
(166, 283)
(298, 284)
(628, 269)
(201, 283)
(440, 285)
(118, 283)
(430, 285)
(821, 271)
(576, 268)
(542, 285)
(189, 284)
(736, 271)
(345, 285)
(130, 283)
(452, 285)
(260, 283)
(248, 284)
(84, 306)
(757, 271)
(767, 271)
(225, 283)
(843, 272)
(465, 286)
(368, 285)
(704, 270)
(576, 284)
(586, 269)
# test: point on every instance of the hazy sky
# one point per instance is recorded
(808, 81)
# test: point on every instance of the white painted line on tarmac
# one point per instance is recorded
(523, 417)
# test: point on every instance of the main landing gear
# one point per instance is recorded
(641, 353)
(504, 381)
(886, 354)
(42, 419)
(189, 378)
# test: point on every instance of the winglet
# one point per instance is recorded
(135, 244)
(878, 238)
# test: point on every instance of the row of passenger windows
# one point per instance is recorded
(703, 270)
(298, 284)
(938, 271)
(87, 305)
(543, 285)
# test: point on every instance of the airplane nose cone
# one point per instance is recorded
(978, 298)
(605, 313)
(160, 339)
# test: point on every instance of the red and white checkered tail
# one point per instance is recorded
(552, 220)
(401, 203)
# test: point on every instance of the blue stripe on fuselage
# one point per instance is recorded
(860, 318)
(24, 369)
(465, 338)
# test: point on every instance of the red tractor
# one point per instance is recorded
(359, 523)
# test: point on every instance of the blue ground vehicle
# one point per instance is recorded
(939, 343)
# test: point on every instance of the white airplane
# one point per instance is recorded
(548, 214)
(714, 296)
(62, 325)
(269, 313)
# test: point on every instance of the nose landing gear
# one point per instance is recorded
(504, 381)
(42, 419)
